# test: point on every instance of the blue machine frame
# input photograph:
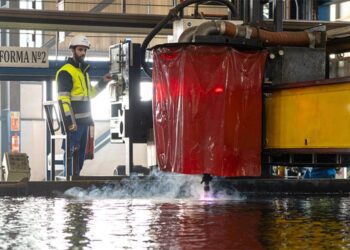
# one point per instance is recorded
(43, 74)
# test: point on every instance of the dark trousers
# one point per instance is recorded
(78, 139)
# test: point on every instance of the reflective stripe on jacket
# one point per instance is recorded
(77, 91)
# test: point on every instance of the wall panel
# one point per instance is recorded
(31, 101)
(33, 144)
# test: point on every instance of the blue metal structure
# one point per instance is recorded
(98, 69)
(324, 9)
(9, 105)
(323, 6)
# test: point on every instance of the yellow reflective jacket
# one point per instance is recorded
(74, 88)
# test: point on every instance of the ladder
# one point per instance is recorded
(58, 131)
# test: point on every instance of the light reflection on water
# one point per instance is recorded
(273, 223)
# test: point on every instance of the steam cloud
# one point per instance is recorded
(158, 185)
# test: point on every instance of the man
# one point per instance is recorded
(74, 88)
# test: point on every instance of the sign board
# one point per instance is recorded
(24, 57)
(15, 121)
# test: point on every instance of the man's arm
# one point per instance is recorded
(64, 87)
(101, 85)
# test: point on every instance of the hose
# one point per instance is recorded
(268, 38)
(173, 14)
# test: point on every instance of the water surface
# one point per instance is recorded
(112, 219)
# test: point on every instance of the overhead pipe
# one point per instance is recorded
(268, 38)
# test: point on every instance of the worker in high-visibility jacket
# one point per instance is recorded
(74, 88)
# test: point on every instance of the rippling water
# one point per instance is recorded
(110, 219)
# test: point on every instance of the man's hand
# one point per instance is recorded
(104, 81)
(70, 123)
(72, 127)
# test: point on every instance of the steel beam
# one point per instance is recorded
(339, 45)
(98, 69)
(5, 109)
(112, 23)
(294, 25)
(98, 8)
(101, 5)
(256, 12)
(80, 21)
(278, 15)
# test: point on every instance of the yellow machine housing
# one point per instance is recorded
(309, 116)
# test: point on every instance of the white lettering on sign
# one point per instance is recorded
(24, 57)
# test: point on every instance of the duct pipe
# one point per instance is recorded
(187, 35)
(268, 38)
(205, 29)
(208, 28)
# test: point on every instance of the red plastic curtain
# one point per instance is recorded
(207, 109)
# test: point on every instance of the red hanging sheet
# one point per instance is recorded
(207, 109)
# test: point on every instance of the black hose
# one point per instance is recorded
(172, 14)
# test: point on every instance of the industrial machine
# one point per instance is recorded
(131, 117)
(236, 100)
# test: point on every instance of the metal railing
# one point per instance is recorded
(58, 127)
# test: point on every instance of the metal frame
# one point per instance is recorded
(278, 7)
(128, 113)
(307, 157)
(50, 109)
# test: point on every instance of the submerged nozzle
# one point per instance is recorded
(206, 180)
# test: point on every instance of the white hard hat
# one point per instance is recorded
(79, 40)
